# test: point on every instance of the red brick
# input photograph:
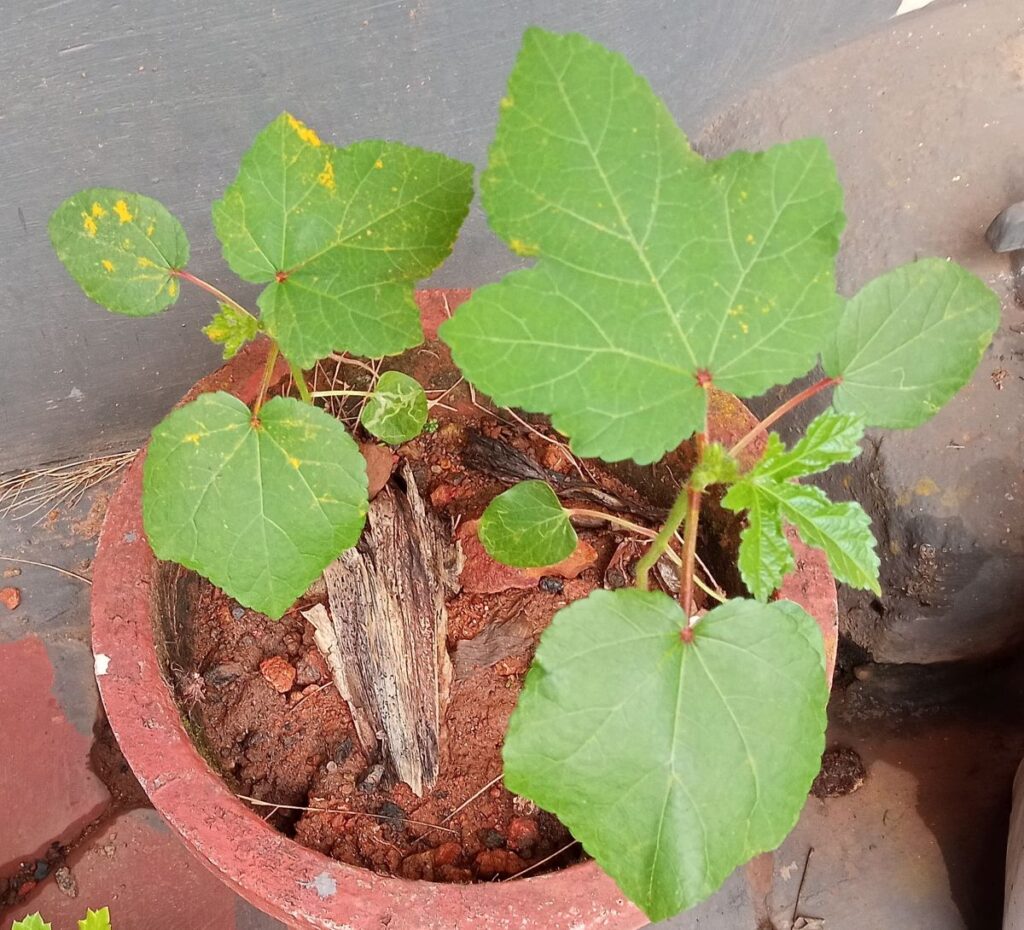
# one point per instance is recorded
(47, 790)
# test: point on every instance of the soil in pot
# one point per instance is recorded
(261, 704)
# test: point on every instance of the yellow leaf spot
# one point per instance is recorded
(294, 462)
(98, 211)
(522, 248)
(144, 262)
(90, 224)
(193, 438)
(150, 229)
(745, 327)
(378, 164)
(369, 232)
(743, 195)
(326, 177)
(172, 287)
(306, 134)
(507, 103)
(122, 211)
(108, 264)
(750, 239)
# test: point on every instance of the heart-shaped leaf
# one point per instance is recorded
(339, 236)
(909, 341)
(657, 272)
(527, 527)
(259, 509)
(121, 248)
(396, 410)
(672, 762)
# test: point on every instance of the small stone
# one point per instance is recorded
(66, 881)
(551, 585)
(279, 672)
(523, 805)
(447, 854)
(238, 612)
(372, 780)
(344, 750)
(493, 862)
(523, 834)
(10, 597)
(312, 669)
(492, 839)
(10, 573)
(1006, 234)
(42, 870)
(332, 767)
(842, 772)
(220, 675)
(394, 815)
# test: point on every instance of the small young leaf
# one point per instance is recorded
(527, 527)
(765, 554)
(909, 341)
(31, 922)
(831, 438)
(233, 328)
(339, 236)
(95, 920)
(121, 248)
(260, 509)
(396, 410)
(671, 762)
(656, 269)
(715, 467)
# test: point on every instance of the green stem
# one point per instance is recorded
(779, 412)
(661, 540)
(693, 499)
(300, 382)
(210, 289)
(268, 372)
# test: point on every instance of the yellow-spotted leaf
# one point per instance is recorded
(259, 508)
(121, 248)
(339, 235)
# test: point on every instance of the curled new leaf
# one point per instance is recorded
(909, 341)
(396, 410)
(527, 527)
(672, 762)
(258, 508)
(121, 248)
(232, 328)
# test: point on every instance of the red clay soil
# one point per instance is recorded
(261, 700)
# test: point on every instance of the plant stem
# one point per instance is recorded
(265, 383)
(782, 410)
(340, 394)
(209, 288)
(693, 498)
(300, 382)
(661, 540)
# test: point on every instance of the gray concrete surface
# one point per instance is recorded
(924, 120)
(163, 98)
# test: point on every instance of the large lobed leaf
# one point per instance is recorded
(909, 341)
(121, 248)
(339, 235)
(841, 530)
(656, 268)
(671, 762)
(259, 509)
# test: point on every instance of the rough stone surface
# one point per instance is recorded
(1006, 234)
(924, 122)
(47, 791)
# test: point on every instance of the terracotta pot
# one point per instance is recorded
(297, 885)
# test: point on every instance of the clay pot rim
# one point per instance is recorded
(279, 876)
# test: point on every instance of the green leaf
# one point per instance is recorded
(671, 762)
(716, 466)
(527, 527)
(396, 410)
(259, 510)
(31, 922)
(121, 248)
(339, 236)
(233, 328)
(656, 268)
(95, 920)
(766, 556)
(831, 438)
(909, 341)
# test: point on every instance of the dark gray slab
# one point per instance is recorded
(163, 98)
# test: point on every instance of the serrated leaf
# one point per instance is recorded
(31, 922)
(909, 341)
(656, 268)
(339, 235)
(716, 466)
(671, 762)
(526, 526)
(396, 410)
(259, 510)
(765, 555)
(830, 439)
(232, 328)
(121, 248)
(95, 920)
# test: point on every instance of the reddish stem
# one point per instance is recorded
(209, 288)
(693, 499)
(779, 412)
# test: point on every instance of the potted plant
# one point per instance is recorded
(674, 740)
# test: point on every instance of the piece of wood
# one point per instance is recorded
(384, 637)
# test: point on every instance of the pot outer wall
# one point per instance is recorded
(294, 884)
